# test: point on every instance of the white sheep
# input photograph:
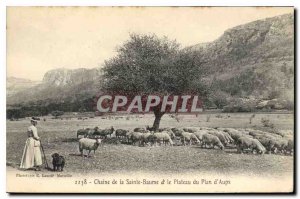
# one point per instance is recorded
(191, 129)
(88, 144)
(162, 138)
(212, 140)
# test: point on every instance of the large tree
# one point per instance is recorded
(147, 64)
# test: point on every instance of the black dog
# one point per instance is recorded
(58, 162)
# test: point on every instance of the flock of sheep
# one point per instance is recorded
(244, 140)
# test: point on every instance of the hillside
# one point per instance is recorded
(252, 60)
(60, 85)
(15, 85)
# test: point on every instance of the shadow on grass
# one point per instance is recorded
(17, 166)
(229, 150)
(79, 155)
(69, 140)
(12, 164)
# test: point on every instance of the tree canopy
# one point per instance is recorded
(147, 64)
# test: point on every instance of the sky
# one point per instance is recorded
(43, 38)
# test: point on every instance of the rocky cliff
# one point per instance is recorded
(63, 77)
(254, 59)
(59, 85)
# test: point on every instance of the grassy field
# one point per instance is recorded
(60, 136)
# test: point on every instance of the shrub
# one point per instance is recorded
(219, 98)
(56, 114)
(267, 123)
(240, 105)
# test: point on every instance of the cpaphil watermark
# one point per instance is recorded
(149, 103)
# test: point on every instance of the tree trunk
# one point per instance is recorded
(158, 116)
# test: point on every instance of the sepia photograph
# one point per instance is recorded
(150, 99)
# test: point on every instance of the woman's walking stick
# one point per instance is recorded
(47, 167)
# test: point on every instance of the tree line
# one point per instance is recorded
(43, 109)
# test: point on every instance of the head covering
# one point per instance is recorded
(33, 119)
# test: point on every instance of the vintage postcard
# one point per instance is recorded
(150, 100)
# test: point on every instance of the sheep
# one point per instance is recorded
(177, 131)
(212, 140)
(170, 132)
(220, 136)
(280, 144)
(199, 134)
(275, 135)
(206, 128)
(228, 137)
(108, 131)
(164, 129)
(249, 143)
(257, 133)
(272, 143)
(150, 128)
(260, 148)
(258, 136)
(83, 132)
(147, 138)
(232, 135)
(88, 144)
(98, 133)
(121, 133)
(266, 142)
(90, 132)
(229, 130)
(128, 135)
(235, 134)
(290, 147)
(241, 131)
(275, 144)
(136, 137)
(103, 133)
(141, 130)
(162, 137)
(191, 129)
(190, 137)
(288, 136)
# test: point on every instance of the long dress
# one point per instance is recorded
(32, 155)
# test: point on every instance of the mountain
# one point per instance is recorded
(251, 44)
(254, 60)
(59, 85)
(15, 85)
(67, 77)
